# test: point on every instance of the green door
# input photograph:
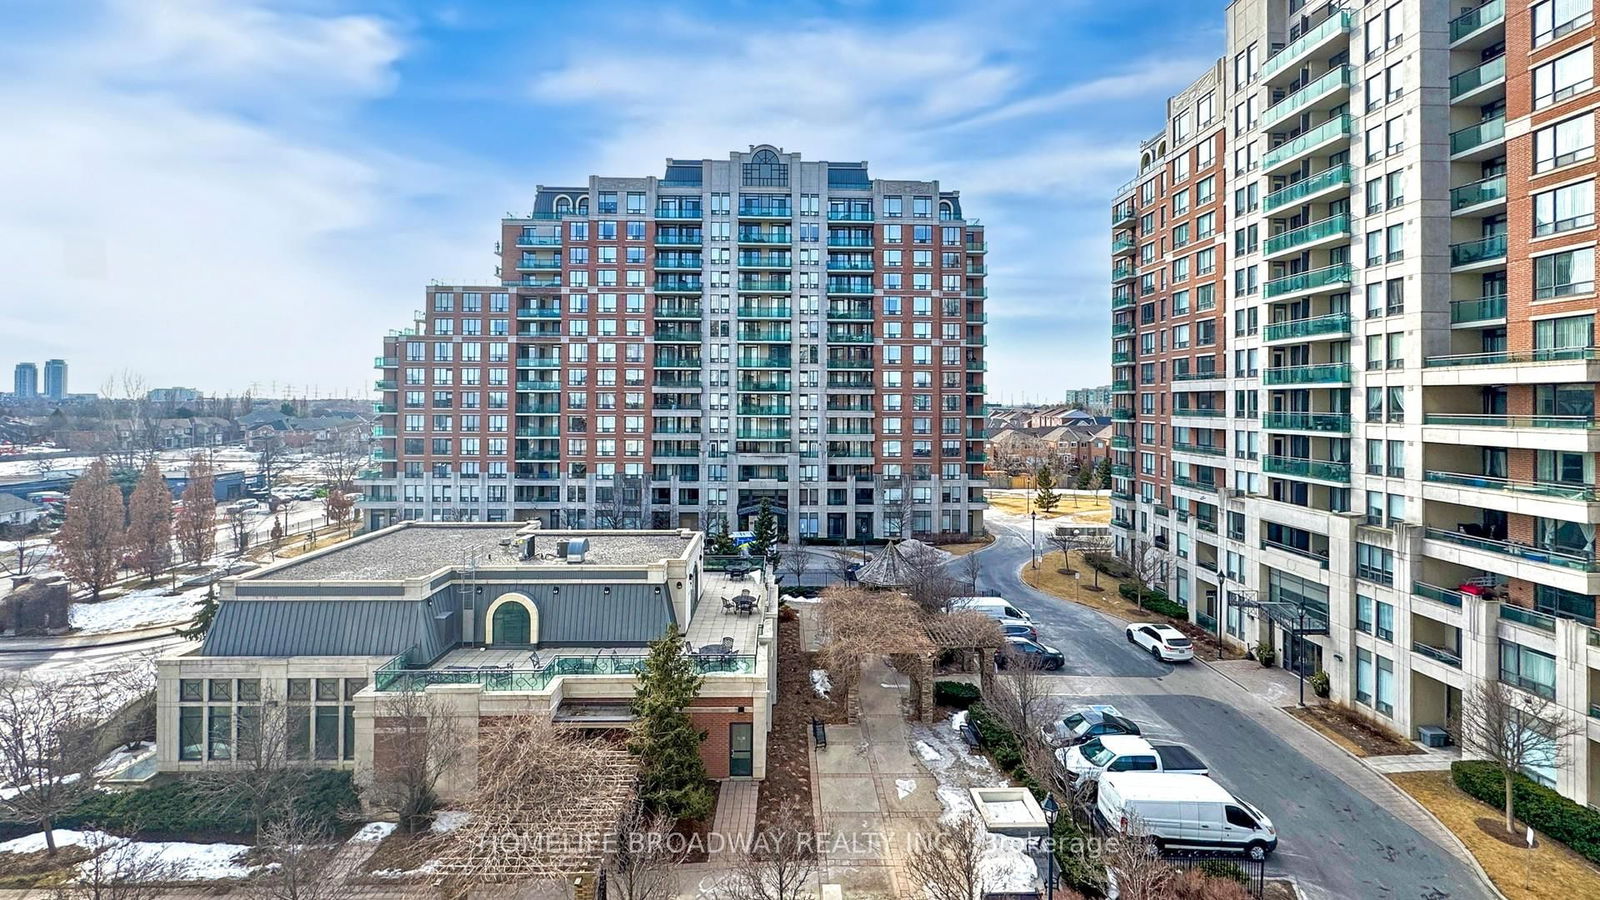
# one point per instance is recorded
(511, 624)
(740, 749)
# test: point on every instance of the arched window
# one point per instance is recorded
(511, 622)
(563, 205)
(765, 170)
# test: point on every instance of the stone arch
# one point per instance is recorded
(509, 618)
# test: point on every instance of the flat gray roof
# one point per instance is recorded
(416, 549)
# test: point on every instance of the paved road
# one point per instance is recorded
(66, 660)
(1344, 832)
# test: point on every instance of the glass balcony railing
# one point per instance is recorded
(1486, 191)
(1336, 323)
(1316, 279)
(1448, 657)
(1337, 127)
(1470, 253)
(1121, 357)
(1473, 20)
(763, 312)
(1564, 559)
(1322, 470)
(1122, 271)
(1489, 131)
(1481, 309)
(1491, 420)
(1339, 21)
(1195, 484)
(1530, 617)
(1305, 187)
(1435, 593)
(1197, 412)
(1121, 443)
(1334, 79)
(1584, 492)
(1333, 226)
(1324, 423)
(1325, 373)
(1478, 76)
(1121, 329)
(1200, 449)
(1506, 357)
(1123, 300)
(1122, 414)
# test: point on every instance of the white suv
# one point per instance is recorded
(1164, 642)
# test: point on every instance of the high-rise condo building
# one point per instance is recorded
(55, 379)
(1354, 354)
(25, 381)
(677, 350)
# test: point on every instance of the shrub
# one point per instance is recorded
(1108, 565)
(1576, 826)
(327, 797)
(958, 694)
(1320, 684)
(1154, 599)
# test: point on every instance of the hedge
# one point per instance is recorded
(1154, 600)
(1576, 826)
(957, 694)
(1108, 564)
(327, 798)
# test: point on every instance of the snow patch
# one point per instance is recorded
(958, 721)
(905, 787)
(926, 751)
(448, 821)
(821, 684)
(373, 832)
(192, 861)
(137, 609)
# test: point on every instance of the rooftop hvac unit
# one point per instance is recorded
(576, 548)
(561, 547)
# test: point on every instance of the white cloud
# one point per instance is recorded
(1150, 77)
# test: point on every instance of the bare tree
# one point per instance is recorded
(295, 857)
(263, 772)
(797, 561)
(1149, 565)
(1022, 699)
(270, 457)
(641, 866)
(620, 504)
(931, 584)
(971, 570)
(1515, 731)
(416, 742)
(239, 528)
(779, 864)
(24, 558)
(1090, 543)
(118, 869)
(196, 523)
(89, 544)
(1133, 860)
(340, 463)
(946, 860)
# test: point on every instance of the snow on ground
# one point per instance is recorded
(821, 684)
(33, 843)
(1005, 864)
(137, 609)
(195, 862)
(122, 756)
(905, 787)
(448, 821)
(927, 753)
(373, 832)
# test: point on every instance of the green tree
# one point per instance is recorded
(765, 532)
(203, 617)
(1085, 474)
(89, 544)
(1102, 473)
(672, 776)
(1045, 496)
(149, 537)
(286, 408)
(718, 541)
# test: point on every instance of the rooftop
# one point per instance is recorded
(416, 549)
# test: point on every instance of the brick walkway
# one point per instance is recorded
(735, 820)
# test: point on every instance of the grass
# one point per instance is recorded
(966, 547)
(1070, 505)
(1549, 871)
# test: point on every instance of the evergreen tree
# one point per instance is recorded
(1045, 496)
(89, 543)
(149, 538)
(1102, 475)
(1085, 474)
(196, 524)
(765, 532)
(718, 541)
(672, 777)
(201, 623)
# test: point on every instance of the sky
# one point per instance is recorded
(244, 194)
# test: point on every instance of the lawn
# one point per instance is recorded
(1019, 504)
(1549, 870)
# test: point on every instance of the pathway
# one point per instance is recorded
(735, 821)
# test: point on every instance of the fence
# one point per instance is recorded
(1251, 873)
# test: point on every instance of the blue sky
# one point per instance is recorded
(248, 193)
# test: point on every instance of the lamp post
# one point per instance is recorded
(1033, 528)
(1051, 811)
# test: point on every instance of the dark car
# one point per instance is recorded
(1038, 654)
(1020, 629)
(1090, 722)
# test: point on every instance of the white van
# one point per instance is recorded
(997, 608)
(1183, 811)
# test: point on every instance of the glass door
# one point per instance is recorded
(740, 749)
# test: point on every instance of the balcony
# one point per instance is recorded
(1437, 594)
(766, 211)
(754, 408)
(1202, 375)
(977, 246)
(1325, 373)
(974, 292)
(535, 281)
(1332, 230)
(848, 363)
(840, 264)
(541, 362)
(1334, 325)
(1334, 81)
(1326, 278)
(1559, 558)
(1121, 329)
(1328, 180)
(679, 240)
(1317, 423)
(1123, 244)
(1197, 412)
(1121, 357)
(1580, 492)
(1529, 617)
(763, 312)
(849, 286)
(1320, 559)
(667, 309)
(1482, 310)
(1477, 80)
(850, 239)
(764, 285)
(535, 312)
(538, 240)
(1122, 414)
(753, 433)
(850, 215)
(1438, 654)
(848, 314)
(765, 360)
(766, 261)
(1473, 21)
(763, 384)
(386, 384)
(1336, 129)
(847, 336)
(757, 332)
(533, 264)
(1315, 469)
(545, 431)
(1484, 253)
(1200, 449)
(1123, 271)
(539, 384)
(1122, 387)
(757, 236)
(680, 285)
(678, 335)
(1479, 196)
(679, 213)
(1121, 299)
(1483, 138)
(1121, 443)
(679, 360)
(1296, 50)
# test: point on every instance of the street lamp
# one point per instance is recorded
(1051, 811)
(1033, 526)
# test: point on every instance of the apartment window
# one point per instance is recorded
(1528, 669)
(1364, 614)
(1385, 625)
(1363, 677)
(1561, 78)
(1564, 143)
(1383, 702)
(1395, 239)
(1563, 274)
(1553, 19)
(1563, 209)
(1394, 184)
(1375, 564)
(1397, 459)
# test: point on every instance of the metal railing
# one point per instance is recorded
(1585, 492)
(1307, 186)
(1339, 21)
(1334, 323)
(1487, 249)
(1438, 654)
(1530, 617)
(1328, 423)
(1337, 373)
(1475, 19)
(1562, 558)
(1336, 127)
(1329, 276)
(1477, 309)
(1436, 593)
(1489, 131)
(1491, 420)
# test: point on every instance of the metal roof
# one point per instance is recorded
(345, 627)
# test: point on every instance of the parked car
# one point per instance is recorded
(1126, 753)
(1048, 658)
(1185, 812)
(1088, 722)
(1164, 642)
(997, 608)
(1020, 629)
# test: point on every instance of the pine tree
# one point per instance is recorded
(765, 531)
(672, 776)
(196, 524)
(201, 623)
(1045, 496)
(1085, 474)
(149, 538)
(718, 541)
(1102, 475)
(89, 543)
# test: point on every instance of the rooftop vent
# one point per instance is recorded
(576, 549)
